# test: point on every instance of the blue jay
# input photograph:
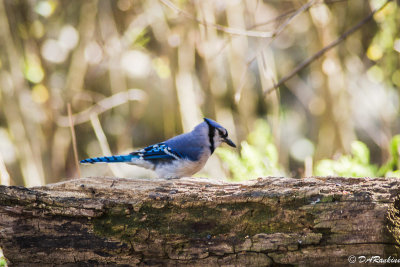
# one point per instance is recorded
(182, 155)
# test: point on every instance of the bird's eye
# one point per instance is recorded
(223, 133)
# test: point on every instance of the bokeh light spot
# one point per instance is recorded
(317, 106)
(174, 40)
(33, 71)
(37, 29)
(136, 63)
(124, 5)
(93, 53)
(374, 52)
(301, 149)
(330, 66)
(40, 94)
(53, 52)
(69, 37)
(45, 8)
(375, 74)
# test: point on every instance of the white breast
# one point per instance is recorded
(180, 168)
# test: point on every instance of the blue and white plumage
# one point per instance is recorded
(182, 155)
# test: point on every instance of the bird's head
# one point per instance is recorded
(217, 134)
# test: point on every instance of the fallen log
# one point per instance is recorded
(200, 222)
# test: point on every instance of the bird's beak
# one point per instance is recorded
(229, 142)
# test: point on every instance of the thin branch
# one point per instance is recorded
(308, 167)
(102, 106)
(321, 52)
(4, 175)
(219, 27)
(295, 14)
(73, 140)
(289, 12)
(105, 148)
(279, 17)
(303, 8)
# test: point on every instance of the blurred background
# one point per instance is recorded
(139, 72)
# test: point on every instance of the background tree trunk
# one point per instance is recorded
(200, 222)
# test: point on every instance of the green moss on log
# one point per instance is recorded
(198, 221)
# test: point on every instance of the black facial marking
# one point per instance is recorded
(211, 134)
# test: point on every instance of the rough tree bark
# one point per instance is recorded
(200, 222)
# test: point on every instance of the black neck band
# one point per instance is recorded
(211, 133)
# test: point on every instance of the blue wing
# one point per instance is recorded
(157, 152)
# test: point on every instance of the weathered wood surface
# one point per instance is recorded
(199, 222)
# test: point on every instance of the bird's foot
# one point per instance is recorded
(172, 178)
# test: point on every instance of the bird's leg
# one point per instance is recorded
(172, 178)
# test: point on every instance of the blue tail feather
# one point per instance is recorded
(110, 159)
